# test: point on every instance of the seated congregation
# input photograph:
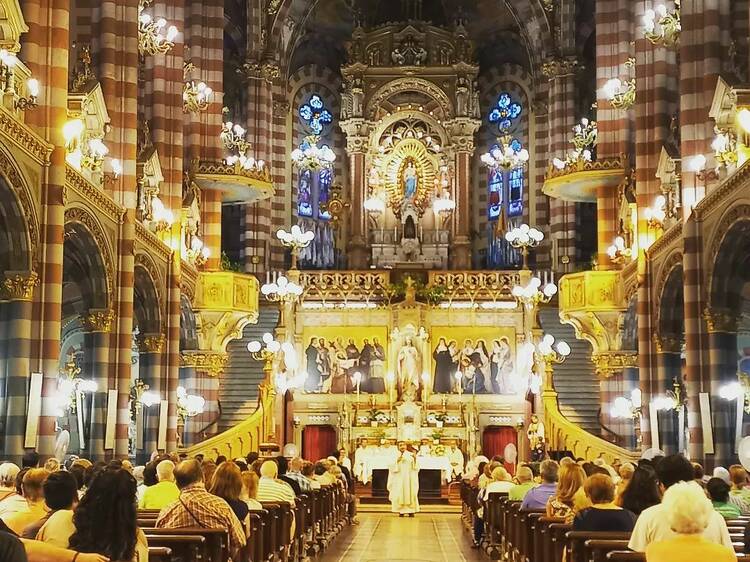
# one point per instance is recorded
(661, 510)
(172, 509)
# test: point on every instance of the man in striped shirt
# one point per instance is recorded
(270, 489)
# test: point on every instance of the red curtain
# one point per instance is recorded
(318, 442)
(494, 441)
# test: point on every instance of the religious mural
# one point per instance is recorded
(333, 356)
(475, 361)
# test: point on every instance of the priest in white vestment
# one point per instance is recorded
(403, 483)
(456, 458)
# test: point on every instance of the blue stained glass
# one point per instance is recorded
(515, 192)
(325, 179)
(515, 144)
(304, 195)
(505, 112)
(494, 194)
(314, 114)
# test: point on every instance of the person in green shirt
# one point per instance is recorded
(525, 483)
(165, 492)
(718, 491)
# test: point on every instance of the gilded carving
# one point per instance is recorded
(409, 84)
(23, 137)
(151, 343)
(610, 364)
(667, 343)
(89, 193)
(721, 320)
(98, 320)
(210, 362)
(555, 68)
(363, 286)
(19, 286)
(476, 285)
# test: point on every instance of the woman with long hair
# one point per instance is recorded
(250, 490)
(105, 519)
(642, 491)
(227, 484)
(570, 497)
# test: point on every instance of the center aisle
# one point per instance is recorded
(387, 537)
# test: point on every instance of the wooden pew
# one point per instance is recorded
(216, 540)
(577, 543)
(544, 546)
(159, 554)
(526, 518)
(597, 549)
(182, 547)
(559, 542)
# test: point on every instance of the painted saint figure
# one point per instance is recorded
(403, 483)
(411, 181)
(444, 369)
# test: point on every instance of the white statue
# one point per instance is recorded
(408, 364)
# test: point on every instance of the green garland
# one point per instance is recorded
(429, 294)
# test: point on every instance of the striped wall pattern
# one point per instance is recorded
(561, 115)
(700, 64)
(45, 52)
(613, 23)
(149, 371)
(620, 384)
(516, 81)
(190, 381)
(16, 324)
(540, 210)
(258, 229)
(722, 366)
(96, 366)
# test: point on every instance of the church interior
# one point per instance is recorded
(510, 229)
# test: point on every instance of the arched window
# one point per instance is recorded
(314, 182)
(504, 186)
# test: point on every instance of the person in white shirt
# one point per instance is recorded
(653, 525)
(11, 500)
(344, 459)
(456, 458)
(501, 482)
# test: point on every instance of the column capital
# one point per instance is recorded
(98, 320)
(357, 132)
(666, 343)
(211, 362)
(612, 363)
(19, 285)
(720, 320)
(150, 343)
(557, 67)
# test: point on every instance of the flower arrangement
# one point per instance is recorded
(378, 417)
(439, 450)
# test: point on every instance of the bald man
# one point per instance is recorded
(270, 488)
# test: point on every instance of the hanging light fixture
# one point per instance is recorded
(506, 155)
(618, 251)
(656, 215)
(310, 156)
(584, 140)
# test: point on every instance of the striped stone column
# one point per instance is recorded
(655, 101)
(17, 292)
(189, 380)
(701, 51)
(116, 50)
(171, 356)
(259, 232)
(45, 50)
(200, 374)
(562, 109)
(97, 327)
(541, 211)
(150, 352)
(356, 148)
(722, 328)
(613, 37)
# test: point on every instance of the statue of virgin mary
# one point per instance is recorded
(411, 181)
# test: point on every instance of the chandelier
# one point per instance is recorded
(197, 253)
(296, 240)
(195, 95)
(282, 290)
(233, 138)
(739, 390)
(161, 218)
(69, 386)
(618, 251)
(524, 238)
(662, 27)
(309, 156)
(530, 295)
(724, 146)
(621, 95)
(584, 140)
(674, 399)
(506, 155)
(656, 215)
(153, 38)
(189, 405)
(83, 152)
(374, 204)
(30, 101)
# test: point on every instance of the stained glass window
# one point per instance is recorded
(494, 194)
(505, 112)
(314, 115)
(305, 194)
(515, 192)
(325, 179)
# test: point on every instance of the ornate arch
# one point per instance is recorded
(669, 299)
(148, 295)
(732, 232)
(409, 84)
(20, 215)
(81, 222)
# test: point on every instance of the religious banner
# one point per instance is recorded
(334, 355)
(474, 360)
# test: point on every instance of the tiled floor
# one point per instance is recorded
(389, 538)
